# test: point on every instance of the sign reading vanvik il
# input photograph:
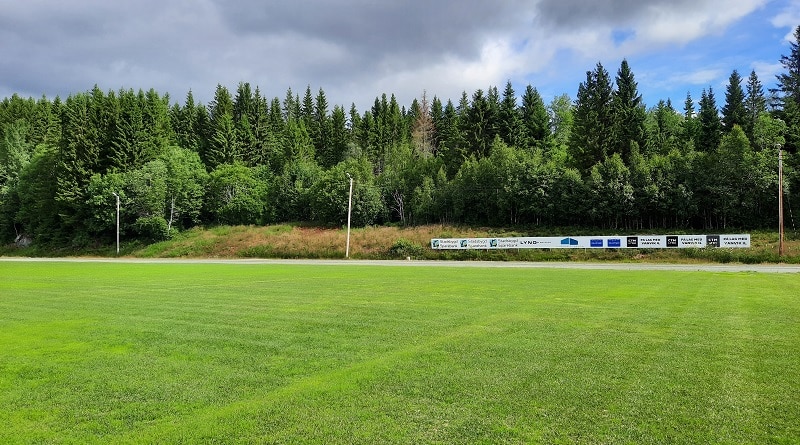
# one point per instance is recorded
(596, 242)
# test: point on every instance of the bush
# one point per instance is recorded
(403, 248)
(153, 228)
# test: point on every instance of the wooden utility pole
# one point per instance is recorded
(780, 201)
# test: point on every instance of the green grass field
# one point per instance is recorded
(235, 353)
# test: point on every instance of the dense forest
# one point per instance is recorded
(602, 160)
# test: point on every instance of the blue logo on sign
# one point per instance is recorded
(569, 242)
(615, 242)
(596, 243)
(463, 243)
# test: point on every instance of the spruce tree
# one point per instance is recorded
(628, 115)
(590, 139)
(535, 122)
(755, 103)
(710, 125)
(789, 90)
(733, 112)
(689, 126)
(509, 117)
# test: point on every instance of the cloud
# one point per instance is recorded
(353, 49)
(700, 77)
(766, 70)
(789, 17)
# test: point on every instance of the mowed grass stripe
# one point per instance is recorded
(144, 353)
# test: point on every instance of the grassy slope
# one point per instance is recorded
(146, 353)
(291, 241)
(286, 241)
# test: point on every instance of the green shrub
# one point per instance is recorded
(403, 248)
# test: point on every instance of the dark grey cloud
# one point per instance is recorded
(376, 28)
(579, 13)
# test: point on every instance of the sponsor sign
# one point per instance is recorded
(652, 241)
(569, 242)
(742, 241)
(596, 242)
(686, 241)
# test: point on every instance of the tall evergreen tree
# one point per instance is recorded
(223, 145)
(321, 132)
(291, 110)
(437, 116)
(493, 115)
(755, 103)
(509, 118)
(184, 122)
(78, 160)
(222, 104)
(478, 125)
(689, 131)
(710, 125)
(45, 122)
(129, 137)
(339, 138)
(307, 108)
(452, 146)
(789, 90)
(628, 115)
(591, 133)
(734, 112)
(535, 122)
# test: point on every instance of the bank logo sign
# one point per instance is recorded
(596, 242)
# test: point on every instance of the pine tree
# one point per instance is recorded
(733, 112)
(290, 106)
(789, 90)
(755, 103)
(129, 135)
(78, 160)
(225, 147)
(590, 140)
(452, 147)
(307, 108)
(477, 125)
(184, 122)
(340, 138)
(710, 125)
(535, 121)
(509, 118)
(437, 116)
(628, 115)
(689, 126)
(321, 130)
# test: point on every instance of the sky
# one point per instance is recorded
(356, 50)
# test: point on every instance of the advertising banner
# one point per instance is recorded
(595, 242)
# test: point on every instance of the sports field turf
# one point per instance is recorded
(235, 353)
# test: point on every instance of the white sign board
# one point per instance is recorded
(595, 242)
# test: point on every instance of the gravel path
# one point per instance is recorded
(762, 268)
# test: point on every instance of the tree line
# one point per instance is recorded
(602, 160)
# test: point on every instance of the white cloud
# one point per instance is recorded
(700, 77)
(789, 17)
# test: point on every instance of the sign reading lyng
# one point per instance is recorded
(596, 242)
